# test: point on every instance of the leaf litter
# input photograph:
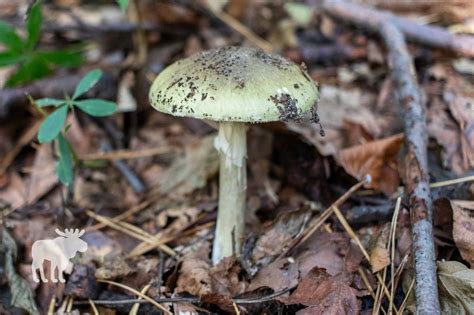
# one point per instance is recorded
(294, 174)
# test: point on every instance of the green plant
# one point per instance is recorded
(123, 4)
(32, 63)
(53, 129)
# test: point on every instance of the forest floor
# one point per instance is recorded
(320, 238)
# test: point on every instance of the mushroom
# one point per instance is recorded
(233, 86)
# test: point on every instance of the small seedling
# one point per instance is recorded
(53, 129)
(32, 63)
(123, 4)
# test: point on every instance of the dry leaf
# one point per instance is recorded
(192, 171)
(337, 107)
(278, 275)
(271, 243)
(380, 256)
(194, 273)
(198, 277)
(43, 174)
(326, 294)
(14, 193)
(456, 288)
(463, 228)
(376, 158)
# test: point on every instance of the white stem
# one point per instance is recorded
(231, 142)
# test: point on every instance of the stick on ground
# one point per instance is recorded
(428, 35)
(416, 162)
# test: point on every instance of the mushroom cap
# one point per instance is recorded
(234, 84)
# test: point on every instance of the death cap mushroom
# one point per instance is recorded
(234, 84)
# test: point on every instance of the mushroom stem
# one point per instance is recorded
(231, 142)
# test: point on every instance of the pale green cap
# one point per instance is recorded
(234, 84)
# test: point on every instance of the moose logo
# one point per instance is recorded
(58, 252)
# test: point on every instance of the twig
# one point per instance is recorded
(93, 307)
(391, 244)
(125, 154)
(416, 177)
(317, 222)
(24, 140)
(132, 178)
(143, 296)
(356, 239)
(243, 30)
(431, 36)
(122, 216)
(195, 300)
(150, 239)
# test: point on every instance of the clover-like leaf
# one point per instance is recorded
(64, 166)
(97, 107)
(33, 68)
(123, 4)
(33, 25)
(10, 38)
(43, 102)
(87, 82)
(8, 58)
(52, 125)
(63, 57)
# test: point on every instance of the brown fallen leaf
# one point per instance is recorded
(326, 294)
(14, 193)
(113, 268)
(43, 174)
(223, 301)
(456, 288)
(323, 250)
(192, 171)
(379, 255)
(341, 106)
(198, 277)
(463, 228)
(195, 273)
(377, 159)
(278, 275)
(287, 225)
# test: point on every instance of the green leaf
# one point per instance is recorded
(43, 102)
(65, 57)
(64, 167)
(52, 125)
(33, 25)
(97, 107)
(10, 38)
(87, 82)
(123, 4)
(32, 69)
(8, 58)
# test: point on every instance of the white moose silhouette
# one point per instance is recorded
(58, 252)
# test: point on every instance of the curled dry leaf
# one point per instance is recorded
(195, 273)
(456, 288)
(463, 228)
(376, 158)
(198, 277)
(380, 256)
(326, 294)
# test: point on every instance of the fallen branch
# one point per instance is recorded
(416, 163)
(179, 299)
(432, 36)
